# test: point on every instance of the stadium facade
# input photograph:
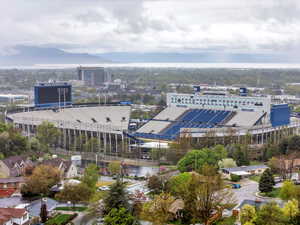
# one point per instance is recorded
(106, 124)
(199, 114)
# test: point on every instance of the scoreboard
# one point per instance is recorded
(52, 94)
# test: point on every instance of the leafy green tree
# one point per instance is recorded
(294, 143)
(47, 134)
(240, 155)
(266, 181)
(270, 214)
(177, 184)
(227, 163)
(291, 209)
(247, 214)
(114, 167)
(117, 197)
(91, 176)
(119, 216)
(288, 190)
(157, 211)
(195, 159)
(75, 193)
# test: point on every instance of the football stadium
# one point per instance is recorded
(199, 113)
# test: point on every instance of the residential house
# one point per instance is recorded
(13, 216)
(244, 171)
(67, 168)
(11, 183)
(14, 166)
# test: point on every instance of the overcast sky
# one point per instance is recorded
(97, 26)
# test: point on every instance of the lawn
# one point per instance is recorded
(272, 194)
(255, 178)
(75, 209)
(59, 219)
(104, 183)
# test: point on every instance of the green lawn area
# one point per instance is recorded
(59, 219)
(75, 209)
(272, 194)
(255, 178)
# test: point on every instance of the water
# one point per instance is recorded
(167, 65)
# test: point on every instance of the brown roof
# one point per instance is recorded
(57, 162)
(12, 160)
(8, 213)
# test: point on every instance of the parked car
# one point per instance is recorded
(236, 186)
(103, 188)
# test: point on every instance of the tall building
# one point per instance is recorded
(93, 76)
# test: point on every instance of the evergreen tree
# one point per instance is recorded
(119, 217)
(44, 213)
(266, 181)
(116, 198)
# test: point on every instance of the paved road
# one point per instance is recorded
(247, 191)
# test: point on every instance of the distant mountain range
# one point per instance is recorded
(31, 55)
(203, 57)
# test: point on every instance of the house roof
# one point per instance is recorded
(8, 213)
(57, 162)
(245, 168)
(12, 160)
(12, 180)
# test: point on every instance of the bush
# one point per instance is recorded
(61, 219)
(235, 178)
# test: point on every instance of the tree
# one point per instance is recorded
(43, 213)
(42, 179)
(177, 184)
(227, 163)
(247, 214)
(119, 216)
(294, 143)
(179, 148)
(204, 195)
(47, 134)
(240, 155)
(288, 190)
(117, 197)
(155, 184)
(270, 214)
(158, 211)
(91, 176)
(75, 193)
(291, 209)
(266, 181)
(194, 160)
(114, 167)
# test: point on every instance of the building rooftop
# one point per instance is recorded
(245, 168)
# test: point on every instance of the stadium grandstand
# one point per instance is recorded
(199, 113)
(108, 124)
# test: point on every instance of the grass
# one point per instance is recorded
(255, 178)
(59, 219)
(272, 194)
(75, 209)
(104, 183)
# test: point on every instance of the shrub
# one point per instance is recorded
(235, 178)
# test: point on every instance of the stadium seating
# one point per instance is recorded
(192, 118)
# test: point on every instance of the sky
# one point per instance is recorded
(98, 26)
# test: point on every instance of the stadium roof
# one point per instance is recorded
(112, 119)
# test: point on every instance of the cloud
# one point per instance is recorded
(152, 25)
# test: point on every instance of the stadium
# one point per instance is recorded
(196, 115)
(199, 114)
(108, 124)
